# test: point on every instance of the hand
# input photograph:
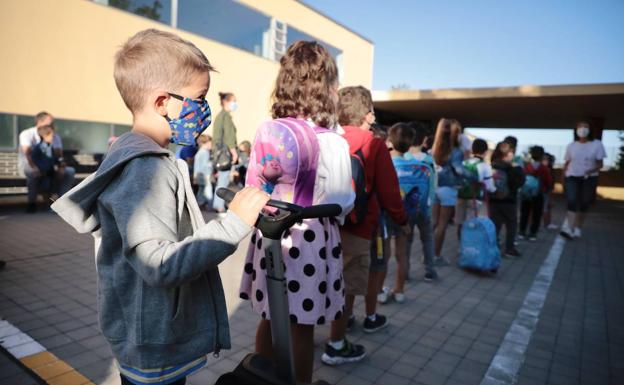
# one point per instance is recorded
(248, 203)
(406, 229)
(35, 171)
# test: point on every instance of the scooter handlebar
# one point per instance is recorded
(318, 211)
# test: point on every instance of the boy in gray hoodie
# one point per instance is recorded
(160, 298)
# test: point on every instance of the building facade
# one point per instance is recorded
(61, 58)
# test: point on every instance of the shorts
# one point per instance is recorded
(464, 210)
(356, 263)
(445, 196)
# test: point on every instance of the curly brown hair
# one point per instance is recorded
(307, 84)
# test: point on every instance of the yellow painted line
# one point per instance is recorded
(45, 365)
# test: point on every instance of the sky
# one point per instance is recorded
(424, 44)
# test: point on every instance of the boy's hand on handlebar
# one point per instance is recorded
(248, 203)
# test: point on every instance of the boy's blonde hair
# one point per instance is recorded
(154, 59)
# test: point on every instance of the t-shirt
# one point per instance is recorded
(29, 138)
(583, 157)
(484, 171)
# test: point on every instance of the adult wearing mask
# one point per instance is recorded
(583, 161)
(224, 142)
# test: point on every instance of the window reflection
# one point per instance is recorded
(159, 10)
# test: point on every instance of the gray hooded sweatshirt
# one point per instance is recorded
(160, 297)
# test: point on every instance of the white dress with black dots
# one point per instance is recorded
(313, 260)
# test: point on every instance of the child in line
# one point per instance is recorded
(503, 207)
(160, 298)
(533, 207)
(473, 193)
(360, 272)
(43, 157)
(423, 219)
(401, 137)
(301, 158)
(549, 162)
(203, 172)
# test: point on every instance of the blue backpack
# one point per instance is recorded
(478, 248)
(531, 187)
(414, 181)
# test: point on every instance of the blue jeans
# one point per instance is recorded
(425, 229)
(223, 180)
(60, 183)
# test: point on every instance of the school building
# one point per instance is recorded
(58, 57)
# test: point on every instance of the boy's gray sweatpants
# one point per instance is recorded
(425, 229)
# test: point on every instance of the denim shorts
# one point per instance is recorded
(445, 196)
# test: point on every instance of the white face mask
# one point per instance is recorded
(582, 132)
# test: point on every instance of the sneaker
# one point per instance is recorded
(431, 276)
(576, 233)
(380, 322)
(552, 226)
(533, 238)
(566, 233)
(384, 296)
(350, 322)
(513, 253)
(441, 261)
(521, 237)
(349, 353)
(399, 297)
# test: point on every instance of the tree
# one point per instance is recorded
(620, 161)
(150, 12)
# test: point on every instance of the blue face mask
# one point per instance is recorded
(194, 118)
(233, 106)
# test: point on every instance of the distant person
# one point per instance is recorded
(224, 154)
(63, 175)
(549, 161)
(532, 205)
(187, 154)
(465, 143)
(422, 220)
(475, 191)
(451, 173)
(203, 172)
(160, 299)
(583, 161)
(240, 173)
(504, 203)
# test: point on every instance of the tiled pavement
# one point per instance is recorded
(445, 333)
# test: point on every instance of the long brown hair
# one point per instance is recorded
(446, 138)
(306, 84)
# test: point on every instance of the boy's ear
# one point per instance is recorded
(159, 101)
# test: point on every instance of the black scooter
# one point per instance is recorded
(256, 369)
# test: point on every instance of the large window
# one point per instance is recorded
(159, 10)
(7, 131)
(226, 21)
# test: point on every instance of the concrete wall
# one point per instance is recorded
(58, 56)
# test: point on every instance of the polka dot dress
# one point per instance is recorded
(313, 260)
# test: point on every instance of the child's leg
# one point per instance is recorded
(303, 351)
(440, 228)
(201, 196)
(264, 343)
(536, 213)
(426, 238)
(400, 240)
(525, 210)
(339, 326)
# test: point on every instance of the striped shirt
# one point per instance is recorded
(161, 376)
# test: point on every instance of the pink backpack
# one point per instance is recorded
(284, 160)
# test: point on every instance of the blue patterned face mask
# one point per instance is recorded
(194, 118)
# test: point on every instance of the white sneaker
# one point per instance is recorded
(384, 296)
(576, 233)
(399, 297)
(552, 226)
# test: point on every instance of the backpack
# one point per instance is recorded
(414, 182)
(284, 160)
(478, 247)
(501, 181)
(471, 188)
(358, 182)
(531, 187)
